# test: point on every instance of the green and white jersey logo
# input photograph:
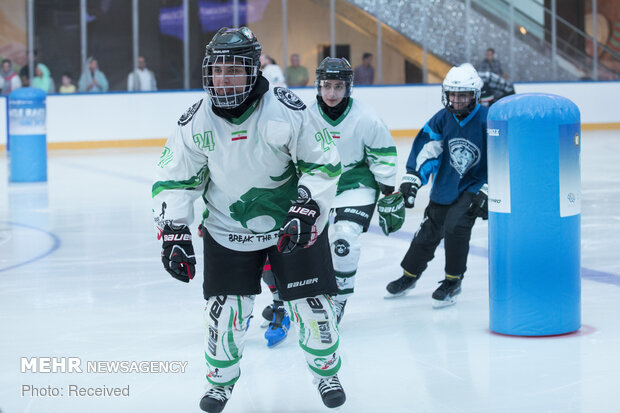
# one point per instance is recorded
(165, 158)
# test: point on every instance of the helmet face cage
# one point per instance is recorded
(335, 69)
(221, 95)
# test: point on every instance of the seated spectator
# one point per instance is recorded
(9, 80)
(67, 85)
(271, 71)
(92, 79)
(43, 79)
(141, 79)
(364, 74)
(296, 75)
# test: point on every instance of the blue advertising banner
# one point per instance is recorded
(171, 21)
(213, 15)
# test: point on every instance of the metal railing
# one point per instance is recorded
(570, 48)
(461, 30)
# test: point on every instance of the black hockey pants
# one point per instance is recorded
(452, 222)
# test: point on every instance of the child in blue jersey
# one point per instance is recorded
(452, 146)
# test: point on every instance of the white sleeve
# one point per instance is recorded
(182, 173)
(381, 152)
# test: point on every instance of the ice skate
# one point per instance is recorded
(445, 294)
(339, 309)
(331, 391)
(267, 316)
(401, 286)
(215, 398)
(278, 328)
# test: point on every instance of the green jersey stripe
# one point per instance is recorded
(191, 183)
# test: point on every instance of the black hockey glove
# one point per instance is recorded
(409, 188)
(480, 203)
(299, 229)
(386, 189)
(391, 210)
(177, 253)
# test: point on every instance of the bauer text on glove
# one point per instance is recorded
(391, 213)
(178, 253)
(299, 228)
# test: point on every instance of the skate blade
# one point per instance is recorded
(444, 303)
(390, 295)
(265, 324)
(402, 293)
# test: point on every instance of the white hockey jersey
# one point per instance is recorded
(367, 153)
(247, 170)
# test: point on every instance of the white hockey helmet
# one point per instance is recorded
(463, 78)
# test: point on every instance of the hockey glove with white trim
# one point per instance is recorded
(391, 212)
(409, 188)
(299, 228)
(480, 203)
(177, 253)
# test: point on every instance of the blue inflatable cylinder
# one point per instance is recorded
(27, 135)
(534, 143)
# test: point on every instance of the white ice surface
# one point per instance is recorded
(80, 276)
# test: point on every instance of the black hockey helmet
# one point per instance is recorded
(334, 68)
(238, 47)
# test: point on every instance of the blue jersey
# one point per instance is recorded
(454, 152)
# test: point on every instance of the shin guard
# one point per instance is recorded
(227, 318)
(318, 333)
(346, 248)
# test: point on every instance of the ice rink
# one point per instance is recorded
(80, 276)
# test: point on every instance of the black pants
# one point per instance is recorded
(305, 273)
(452, 222)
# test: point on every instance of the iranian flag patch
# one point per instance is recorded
(237, 136)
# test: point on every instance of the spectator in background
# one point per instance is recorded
(141, 79)
(9, 80)
(296, 75)
(92, 79)
(24, 76)
(491, 64)
(66, 84)
(43, 79)
(271, 71)
(364, 74)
